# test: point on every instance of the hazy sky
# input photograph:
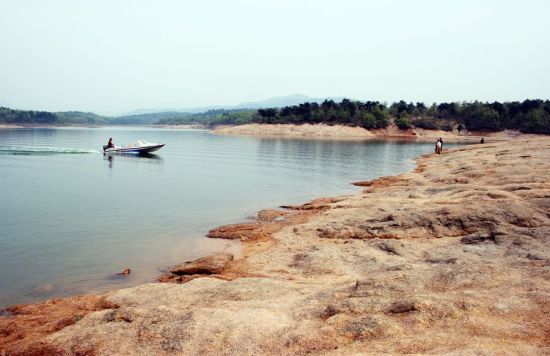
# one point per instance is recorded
(114, 56)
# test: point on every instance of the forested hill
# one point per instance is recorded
(529, 116)
(210, 117)
(27, 117)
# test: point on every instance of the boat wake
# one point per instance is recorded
(29, 150)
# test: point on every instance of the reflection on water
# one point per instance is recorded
(143, 157)
(67, 224)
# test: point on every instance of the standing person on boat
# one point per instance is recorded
(110, 144)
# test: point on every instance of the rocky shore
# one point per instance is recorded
(451, 258)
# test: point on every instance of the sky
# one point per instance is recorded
(112, 57)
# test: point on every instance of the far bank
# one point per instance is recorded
(349, 132)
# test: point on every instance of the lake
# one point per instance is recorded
(71, 217)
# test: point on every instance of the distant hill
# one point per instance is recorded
(210, 117)
(30, 117)
(279, 102)
(276, 102)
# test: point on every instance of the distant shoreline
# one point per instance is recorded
(47, 126)
(38, 126)
(323, 131)
(359, 133)
(9, 126)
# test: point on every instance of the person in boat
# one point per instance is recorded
(110, 144)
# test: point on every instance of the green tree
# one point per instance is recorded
(403, 123)
(369, 121)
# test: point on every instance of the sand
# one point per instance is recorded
(9, 126)
(289, 130)
(347, 132)
(453, 258)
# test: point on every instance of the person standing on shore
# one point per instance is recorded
(482, 140)
(438, 145)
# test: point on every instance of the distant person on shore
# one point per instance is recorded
(482, 140)
(110, 144)
(441, 140)
(438, 146)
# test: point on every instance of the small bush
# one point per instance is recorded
(425, 123)
(369, 121)
(403, 123)
(447, 126)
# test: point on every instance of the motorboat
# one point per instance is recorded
(140, 147)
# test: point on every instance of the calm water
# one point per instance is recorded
(70, 217)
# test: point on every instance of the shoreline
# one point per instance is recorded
(325, 132)
(9, 126)
(37, 126)
(350, 267)
(45, 126)
(341, 132)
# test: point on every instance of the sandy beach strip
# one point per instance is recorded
(9, 126)
(343, 132)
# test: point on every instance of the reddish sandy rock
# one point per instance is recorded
(315, 205)
(174, 278)
(271, 221)
(124, 273)
(382, 182)
(24, 325)
(243, 232)
(207, 265)
(271, 215)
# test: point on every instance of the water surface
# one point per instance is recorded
(70, 217)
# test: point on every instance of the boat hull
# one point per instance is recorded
(135, 150)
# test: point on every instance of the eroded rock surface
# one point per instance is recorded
(451, 258)
(269, 222)
(206, 266)
(22, 327)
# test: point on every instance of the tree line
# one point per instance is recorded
(213, 117)
(12, 116)
(530, 116)
(209, 118)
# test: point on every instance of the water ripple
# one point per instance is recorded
(43, 150)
